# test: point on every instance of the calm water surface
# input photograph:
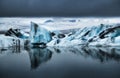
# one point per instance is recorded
(60, 62)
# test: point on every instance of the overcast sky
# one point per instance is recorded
(59, 7)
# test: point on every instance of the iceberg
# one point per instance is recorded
(103, 35)
(17, 33)
(7, 41)
(39, 35)
(108, 37)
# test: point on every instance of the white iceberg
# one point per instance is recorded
(7, 41)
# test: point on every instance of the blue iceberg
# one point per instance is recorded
(39, 35)
(104, 35)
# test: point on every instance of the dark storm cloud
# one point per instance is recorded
(59, 7)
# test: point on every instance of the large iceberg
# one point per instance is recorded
(102, 34)
(39, 35)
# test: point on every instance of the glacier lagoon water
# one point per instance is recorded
(60, 62)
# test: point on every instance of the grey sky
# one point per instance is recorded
(60, 7)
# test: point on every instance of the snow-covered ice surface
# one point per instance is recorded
(54, 23)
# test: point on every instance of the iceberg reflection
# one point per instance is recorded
(39, 56)
(101, 54)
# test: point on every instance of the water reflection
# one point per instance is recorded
(102, 54)
(10, 50)
(41, 55)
